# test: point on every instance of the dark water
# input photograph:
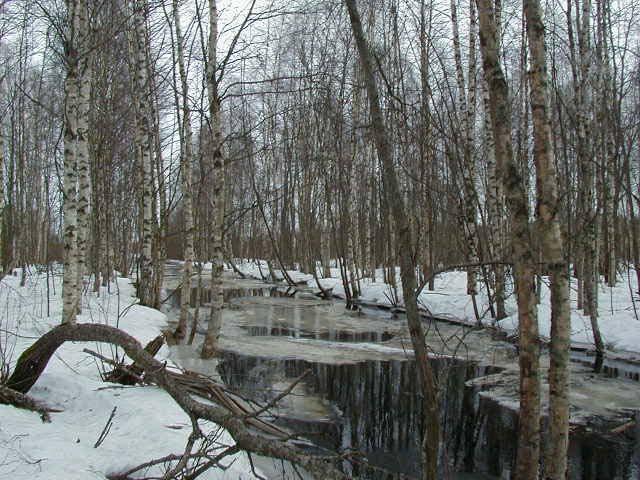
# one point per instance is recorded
(374, 407)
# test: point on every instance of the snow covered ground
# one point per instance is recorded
(147, 423)
(619, 322)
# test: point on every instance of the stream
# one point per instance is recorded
(360, 391)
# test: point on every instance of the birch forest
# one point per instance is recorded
(359, 154)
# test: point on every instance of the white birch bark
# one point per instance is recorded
(528, 455)
(608, 148)
(214, 326)
(144, 140)
(495, 207)
(82, 155)
(186, 156)
(585, 160)
(552, 247)
(70, 276)
(466, 110)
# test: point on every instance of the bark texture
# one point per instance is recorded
(528, 454)
(214, 325)
(82, 141)
(144, 142)
(186, 156)
(552, 247)
(70, 289)
(394, 197)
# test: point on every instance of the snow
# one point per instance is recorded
(147, 422)
(619, 325)
(617, 318)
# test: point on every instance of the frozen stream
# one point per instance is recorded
(361, 391)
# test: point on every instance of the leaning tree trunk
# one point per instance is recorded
(528, 455)
(214, 326)
(241, 424)
(187, 198)
(552, 248)
(391, 187)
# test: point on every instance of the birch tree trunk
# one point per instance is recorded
(528, 455)
(159, 202)
(214, 326)
(466, 110)
(70, 293)
(552, 247)
(82, 142)
(427, 171)
(186, 156)
(431, 438)
(495, 207)
(609, 154)
(144, 141)
(589, 261)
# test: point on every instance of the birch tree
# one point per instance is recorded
(210, 345)
(528, 454)
(547, 212)
(143, 142)
(431, 439)
(73, 49)
(82, 141)
(186, 156)
(466, 110)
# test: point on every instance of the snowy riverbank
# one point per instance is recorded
(619, 322)
(147, 423)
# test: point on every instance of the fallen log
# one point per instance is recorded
(132, 373)
(33, 361)
(20, 400)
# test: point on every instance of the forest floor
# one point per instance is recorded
(147, 423)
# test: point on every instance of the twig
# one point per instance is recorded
(233, 449)
(195, 435)
(113, 363)
(253, 468)
(106, 429)
(283, 394)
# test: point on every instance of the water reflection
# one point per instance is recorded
(373, 406)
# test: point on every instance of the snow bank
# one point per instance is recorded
(147, 423)
(618, 319)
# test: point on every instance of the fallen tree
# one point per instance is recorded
(241, 427)
(20, 400)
